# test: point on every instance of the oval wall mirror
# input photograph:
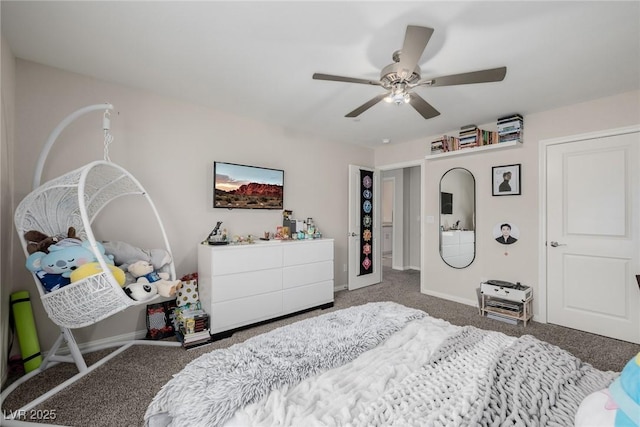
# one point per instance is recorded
(458, 218)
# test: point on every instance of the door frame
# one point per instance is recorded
(542, 316)
(409, 164)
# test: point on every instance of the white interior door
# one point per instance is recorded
(593, 235)
(365, 244)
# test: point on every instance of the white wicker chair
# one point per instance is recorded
(74, 200)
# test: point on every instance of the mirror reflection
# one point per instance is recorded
(457, 217)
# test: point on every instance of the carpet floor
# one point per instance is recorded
(118, 393)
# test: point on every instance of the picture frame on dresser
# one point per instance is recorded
(506, 180)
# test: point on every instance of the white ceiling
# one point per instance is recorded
(256, 59)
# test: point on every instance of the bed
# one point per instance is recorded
(379, 364)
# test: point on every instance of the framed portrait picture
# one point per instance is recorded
(506, 233)
(506, 180)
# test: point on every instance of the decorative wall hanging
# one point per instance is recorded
(366, 222)
(505, 180)
(506, 233)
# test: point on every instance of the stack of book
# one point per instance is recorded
(504, 307)
(503, 310)
(451, 143)
(510, 128)
(437, 146)
(192, 326)
(487, 137)
(195, 339)
(496, 316)
(468, 136)
(445, 144)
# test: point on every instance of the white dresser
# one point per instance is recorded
(241, 285)
(458, 247)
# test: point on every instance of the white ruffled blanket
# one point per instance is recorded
(393, 366)
(212, 387)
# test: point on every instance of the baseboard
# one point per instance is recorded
(342, 287)
(465, 301)
(405, 267)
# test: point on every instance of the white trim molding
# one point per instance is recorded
(541, 298)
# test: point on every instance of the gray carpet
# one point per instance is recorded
(118, 393)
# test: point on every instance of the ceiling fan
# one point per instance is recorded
(403, 75)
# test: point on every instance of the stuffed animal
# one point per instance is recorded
(125, 254)
(616, 406)
(63, 259)
(140, 291)
(143, 272)
(52, 282)
(40, 242)
(93, 268)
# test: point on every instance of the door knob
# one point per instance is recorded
(352, 234)
(556, 244)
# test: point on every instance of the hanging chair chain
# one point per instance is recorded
(108, 137)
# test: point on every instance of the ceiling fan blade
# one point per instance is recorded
(320, 76)
(425, 109)
(483, 76)
(364, 107)
(415, 41)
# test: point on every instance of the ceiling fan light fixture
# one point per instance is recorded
(398, 95)
(401, 77)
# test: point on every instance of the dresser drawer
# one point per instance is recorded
(299, 298)
(300, 275)
(232, 286)
(232, 314)
(307, 252)
(249, 258)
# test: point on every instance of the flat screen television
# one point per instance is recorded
(446, 203)
(247, 187)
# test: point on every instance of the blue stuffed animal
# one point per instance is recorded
(54, 268)
(616, 406)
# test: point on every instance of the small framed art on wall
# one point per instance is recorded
(505, 180)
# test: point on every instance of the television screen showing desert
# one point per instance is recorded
(247, 187)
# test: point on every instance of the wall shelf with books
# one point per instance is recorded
(472, 150)
(472, 139)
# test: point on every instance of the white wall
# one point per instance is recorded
(170, 147)
(7, 236)
(519, 262)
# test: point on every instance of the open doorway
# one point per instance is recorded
(401, 216)
(387, 209)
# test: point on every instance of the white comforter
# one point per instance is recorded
(432, 373)
(341, 395)
(380, 364)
